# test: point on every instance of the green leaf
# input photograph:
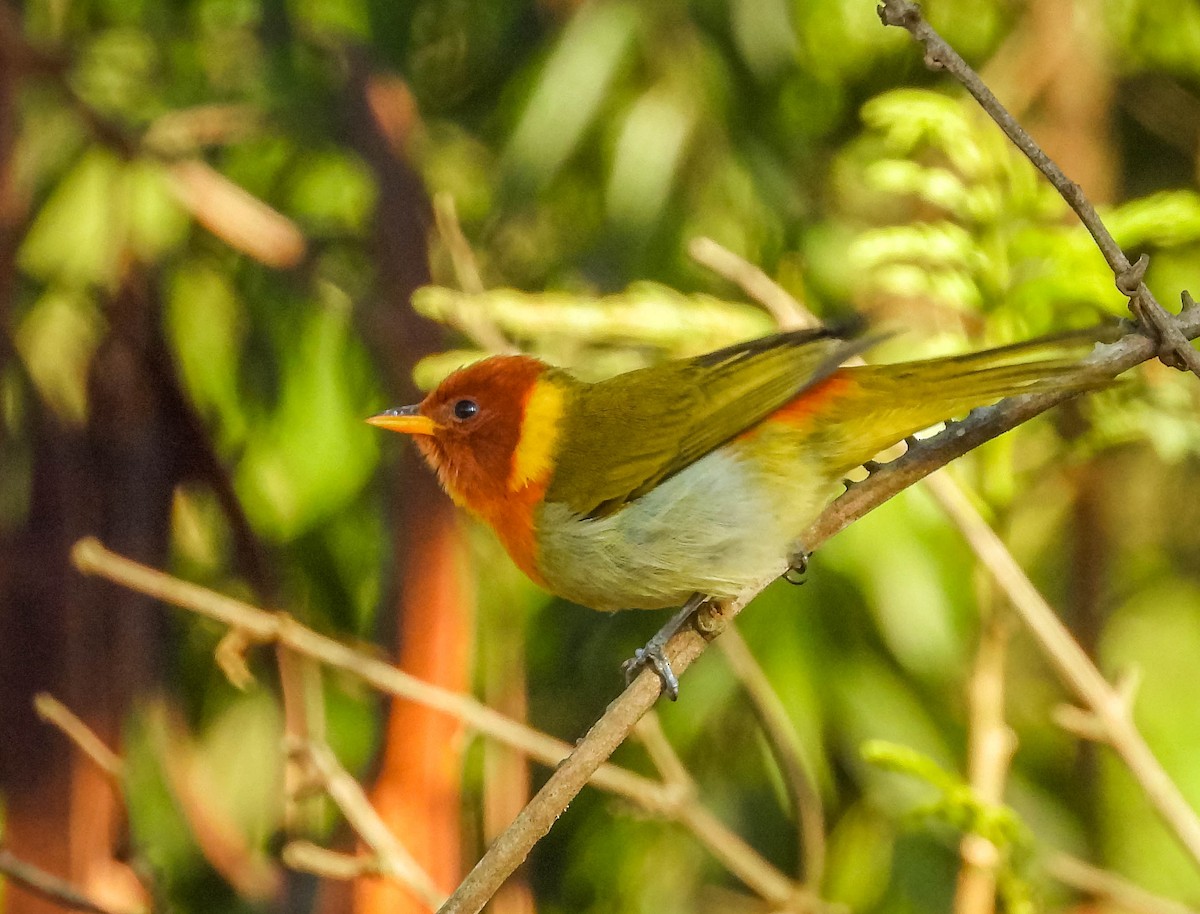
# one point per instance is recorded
(315, 452)
(77, 236)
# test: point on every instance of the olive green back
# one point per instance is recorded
(624, 435)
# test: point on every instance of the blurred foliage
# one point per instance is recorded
(585, 145)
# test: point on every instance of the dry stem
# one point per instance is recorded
(50, 886)
(1098, 883)
(54, 712)
(1109, 708)
(257, 626)
(779, 303)
(991, 748)
(476, 325)
(939, 55)
(394, 860)
(773, 718)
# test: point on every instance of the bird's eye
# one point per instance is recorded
(465, 409)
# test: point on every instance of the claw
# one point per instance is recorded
(799, 566)
(652, 654)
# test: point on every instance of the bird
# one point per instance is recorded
(688, 481)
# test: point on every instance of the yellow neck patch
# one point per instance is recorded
(539, 434)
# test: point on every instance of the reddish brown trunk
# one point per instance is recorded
(418, 784)
(417, 790)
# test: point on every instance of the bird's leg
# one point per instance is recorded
(652, 654)
(797, 566)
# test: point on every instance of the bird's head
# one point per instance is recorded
(489, 429)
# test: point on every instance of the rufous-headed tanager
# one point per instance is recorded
(694, 478)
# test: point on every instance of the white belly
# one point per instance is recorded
(713, 528)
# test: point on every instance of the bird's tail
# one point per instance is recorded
(883, 404)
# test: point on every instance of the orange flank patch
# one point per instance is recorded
(809, 403)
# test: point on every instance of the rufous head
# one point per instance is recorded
(470, 429)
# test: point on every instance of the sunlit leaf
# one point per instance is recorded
(77, 236)
(56, 340)
(286, 476)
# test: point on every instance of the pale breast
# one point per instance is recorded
(713, 528)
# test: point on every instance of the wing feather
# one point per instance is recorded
(627, 434)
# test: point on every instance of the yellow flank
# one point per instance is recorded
(534, 454)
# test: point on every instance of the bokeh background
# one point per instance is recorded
(214, 215)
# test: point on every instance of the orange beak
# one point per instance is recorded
(404, 419)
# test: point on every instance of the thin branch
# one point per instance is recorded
(1101, 884)
(474, 324)
(940, 55)
(1082, 722)
(674, 773)
(55, 713)
(49, 886)
(590, 754)
(303, 724)
(320, 861)
(992, 743)
(394, 859)
(921, 459)
(255, 626)
(466, 269)
(785, 745)
(1109, 707)
(778, 302)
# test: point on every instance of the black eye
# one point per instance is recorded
(465, 409)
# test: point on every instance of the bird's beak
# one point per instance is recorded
(404, 419)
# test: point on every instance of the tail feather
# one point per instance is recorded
(886, 403)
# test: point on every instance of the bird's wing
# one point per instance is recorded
(629, 433)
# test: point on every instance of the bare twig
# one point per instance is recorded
(773, 718)
(921, 459)
(394, 860)
(466, 270)
(779, 303)
(1084, 723)
(736, 857)
(674, 773)
(590, 754)
(992, 743)
(258, 626)
(474, 324)
(54, 712)
(321, 861)
(303, 724)
(49, 886)
(1109, 707)
(236, 216)
(1098, 883)
(939, 55)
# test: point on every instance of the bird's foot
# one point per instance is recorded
(652, 654)
(797, 566)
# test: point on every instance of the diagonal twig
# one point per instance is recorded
(55, 713)
(256, 626)
(393, 858)
(1109, 707)
(991, 745)
(939, 55)
(773, 718)
(788, 313)
(922, 458)
(49, 886)
(1101, 884)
